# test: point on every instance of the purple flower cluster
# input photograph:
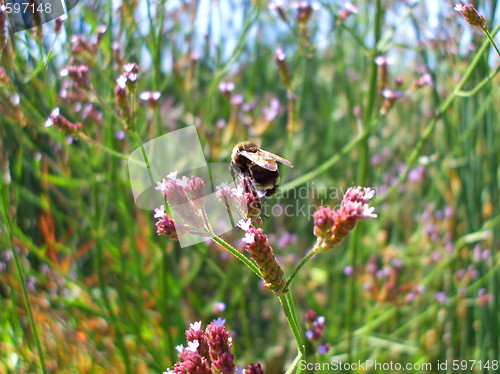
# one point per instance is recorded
(471, 15)
(483, 297)
(77, 88)
(304, 10)
(348, 8)
(62, 123)
(256, 114)
(331, 226)
(226, 89)
(84, 50)
(126, 82)
(186, 197)
(315, 326)
(79, 74)
(150, 97)
(480, 255)
(417, 290)
(208, 351)
(390, 96)
(278, 6)
(165, 225)
(383, 283)
(244, 205)
(283, 69)
(437, 225)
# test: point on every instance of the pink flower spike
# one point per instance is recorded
(471, 15)
(62, 123)
(263, 255)
(330, 226)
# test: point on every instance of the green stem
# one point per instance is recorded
(22, 280)
(490, 38)
(291, 125)
(302, 262)
(237, 254)
(362, 175)
(291, 305)
(370, 105)
(50, 93)
(106, 149)
(480, 85)
(356, 38)
(294, 364)
(111, 314)
(144, 154)
(291, 322)
(167, 342)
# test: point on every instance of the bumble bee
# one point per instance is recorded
(257, 167)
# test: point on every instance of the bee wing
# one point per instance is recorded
(260, 159)
(272, 156)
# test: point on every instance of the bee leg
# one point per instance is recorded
(234, 170)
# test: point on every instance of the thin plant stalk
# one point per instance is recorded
(490, 38)
(20, 274)
(294, 364)
(237, 254)
(302, 262)
(289, 311)
(363, 170)
(102, 286)
(293, 311)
